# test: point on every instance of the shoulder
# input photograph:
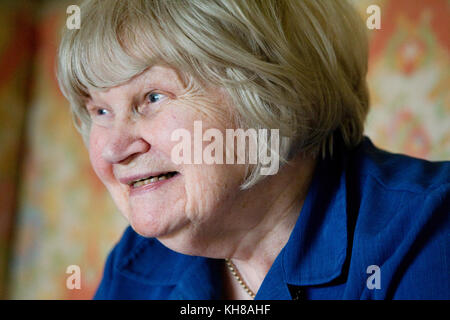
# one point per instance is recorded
(400, 172)
(133, 247)
(401, 223)
(388, 187)
(395, 188)
(136, 265)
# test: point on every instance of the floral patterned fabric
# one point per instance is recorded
(54, 212)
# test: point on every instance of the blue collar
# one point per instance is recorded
(317, 247)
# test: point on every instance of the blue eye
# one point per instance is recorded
(100, 116)
(155, 97)
(101, 112)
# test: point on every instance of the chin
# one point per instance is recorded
(179, 237)
(154, 223)
(182, 243)
(147, 227)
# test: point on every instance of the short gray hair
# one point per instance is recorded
(295, 65)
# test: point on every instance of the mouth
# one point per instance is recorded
(152, 180)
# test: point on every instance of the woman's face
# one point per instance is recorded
(125, 146)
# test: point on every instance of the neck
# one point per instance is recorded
(265, 230)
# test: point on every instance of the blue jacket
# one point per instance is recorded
(374, 225)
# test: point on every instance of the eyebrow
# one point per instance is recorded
(148, 80)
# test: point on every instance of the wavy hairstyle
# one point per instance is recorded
(295, 65)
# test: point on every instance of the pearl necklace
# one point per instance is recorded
(235, 273)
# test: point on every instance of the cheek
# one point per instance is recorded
(208, 188)
(158, 131)
(211, 190)
(158, 134)
(96, 144)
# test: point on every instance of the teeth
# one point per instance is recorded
(138, 184)
(152, 179)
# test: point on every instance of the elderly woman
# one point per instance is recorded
(337, 219)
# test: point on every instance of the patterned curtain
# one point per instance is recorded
(54, 212)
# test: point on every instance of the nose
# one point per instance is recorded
(122, 144)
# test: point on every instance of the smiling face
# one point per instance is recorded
(130, 140)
